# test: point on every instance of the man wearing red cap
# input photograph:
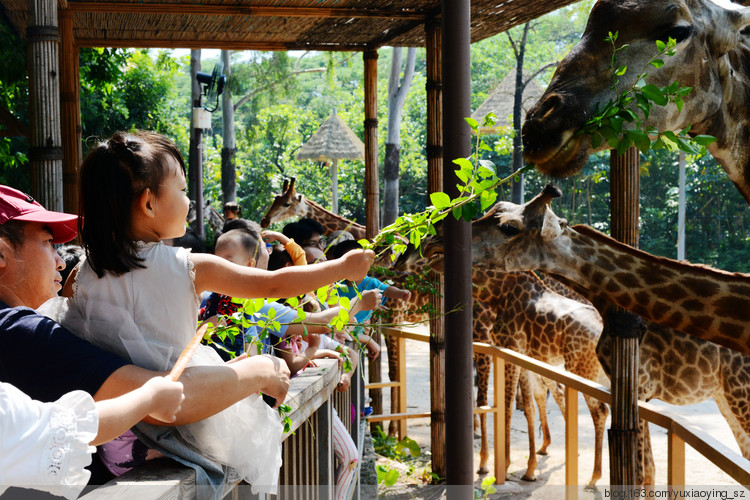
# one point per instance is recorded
(44, 360)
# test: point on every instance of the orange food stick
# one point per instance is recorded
(187, 353)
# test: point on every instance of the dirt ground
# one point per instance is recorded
(550, 474)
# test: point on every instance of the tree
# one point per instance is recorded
(397, 93)
(228, 152)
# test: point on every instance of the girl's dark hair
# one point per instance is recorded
(279, 258)
(341, 248)
(113, 175)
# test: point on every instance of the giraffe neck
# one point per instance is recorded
(711, 304)
(331, 221)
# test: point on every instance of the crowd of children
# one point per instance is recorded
(140, 299)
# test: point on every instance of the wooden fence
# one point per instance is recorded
(679, 432)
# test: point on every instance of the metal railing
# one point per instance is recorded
(679, 432)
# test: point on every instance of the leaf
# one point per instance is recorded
(660, 46)
(704, 140)
(596, 140)
(621, 70)
(640, 139)
(440, 200)
(472, 122)
(655, 94)
(657, 63)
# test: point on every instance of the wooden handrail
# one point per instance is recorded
(680, 432)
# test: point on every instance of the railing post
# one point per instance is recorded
(498, 367)
(571, 443)
(401, 373)
(675, 460)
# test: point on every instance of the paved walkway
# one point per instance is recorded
(551, 469)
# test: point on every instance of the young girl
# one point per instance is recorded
(47, 445)
(145, 294)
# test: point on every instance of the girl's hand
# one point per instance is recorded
(345, 382)
(373, 349)
(166, 397)
(405, 295)
(357, 263)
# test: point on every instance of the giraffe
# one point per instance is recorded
(485, 313)
(712, 57)
(518, 311)
(698, 300)
(681, 369)
(672, 297)
(289, 204)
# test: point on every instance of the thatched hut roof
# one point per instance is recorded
(334, 140)
(500, 101)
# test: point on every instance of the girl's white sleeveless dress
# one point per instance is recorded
(148, 316)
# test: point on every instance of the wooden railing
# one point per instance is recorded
(679, 432)
(308, 468)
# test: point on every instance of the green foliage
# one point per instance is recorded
(620, 122)
(487, 489)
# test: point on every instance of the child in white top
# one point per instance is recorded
(133, 195)
(47, 445)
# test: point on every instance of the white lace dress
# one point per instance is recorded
(45, 446)
(148, 316)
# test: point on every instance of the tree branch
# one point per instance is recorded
(271, 85)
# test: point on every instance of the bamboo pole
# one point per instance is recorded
(434, 89)
(623, 435)
(45, 151)
(70, 104)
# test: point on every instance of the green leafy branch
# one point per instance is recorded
(610, 123)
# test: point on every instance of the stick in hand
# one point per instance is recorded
(187, 353)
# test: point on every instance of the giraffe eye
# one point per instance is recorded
(679, 33)
(509, 230)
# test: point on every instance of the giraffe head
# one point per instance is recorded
(508, 237)
(707, 36)
(285, 206)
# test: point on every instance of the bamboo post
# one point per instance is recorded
(70, 104)
(434, 89)
(623, 435)
(45, 141)
(372, 197)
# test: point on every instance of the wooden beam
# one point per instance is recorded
(70, 108)
(148, 43)
(242, 10)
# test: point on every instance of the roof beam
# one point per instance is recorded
(241, 10)
(141, 43)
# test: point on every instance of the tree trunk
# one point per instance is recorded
(396, 98)
(517, 187)
(228, 152)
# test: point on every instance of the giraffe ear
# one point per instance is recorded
(552, 225)
(728, 32)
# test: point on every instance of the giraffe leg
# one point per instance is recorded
(525, 382)
(540, 395)
(511, 382)
(483, 376)
(740, 431)
(646, 472)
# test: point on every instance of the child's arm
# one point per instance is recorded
(219, 275)
(293, 249)
(159, 398)
(373, 348)
(296, 363)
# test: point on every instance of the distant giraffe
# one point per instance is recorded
(289, 204)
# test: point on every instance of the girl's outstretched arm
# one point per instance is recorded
(215, 274)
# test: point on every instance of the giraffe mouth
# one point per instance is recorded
(567, 160)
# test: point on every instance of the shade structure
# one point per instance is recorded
(500, 101)
(333, 141)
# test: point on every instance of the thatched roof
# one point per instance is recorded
(272, 25)
(334, 140)
(500, 101)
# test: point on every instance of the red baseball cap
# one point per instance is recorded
(15, 205)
